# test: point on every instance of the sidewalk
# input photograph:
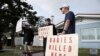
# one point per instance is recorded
(38, 54)
(35, 54)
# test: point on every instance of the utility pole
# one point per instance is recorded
(52, 17)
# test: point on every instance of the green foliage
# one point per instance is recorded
(12, 10)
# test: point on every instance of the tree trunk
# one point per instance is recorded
(13, 36)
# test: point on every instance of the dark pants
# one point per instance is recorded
(44, 44)
(28, 38)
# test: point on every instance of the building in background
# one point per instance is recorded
(88, 29)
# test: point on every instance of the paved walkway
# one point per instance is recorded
(38, 54)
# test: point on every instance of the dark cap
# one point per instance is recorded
(48, 19)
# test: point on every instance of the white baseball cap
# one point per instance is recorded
(64, 6)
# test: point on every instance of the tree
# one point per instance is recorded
(11, 11)
(40, 22)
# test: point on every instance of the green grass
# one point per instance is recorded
(85, 52)
(8, 53)
(99, 53)
(82, 52)
(16, 49)
(37, 49)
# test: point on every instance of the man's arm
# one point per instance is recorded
(66, 25)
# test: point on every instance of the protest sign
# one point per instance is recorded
(43, 32)
(19, 25)
(62, 45)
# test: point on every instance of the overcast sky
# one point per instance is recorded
(47, 8)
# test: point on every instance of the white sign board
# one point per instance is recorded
(43, 32)
(19, 25)
(62, 45)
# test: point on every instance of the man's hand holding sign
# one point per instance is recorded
(66, 44)
(48, 30)
(59, 45)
